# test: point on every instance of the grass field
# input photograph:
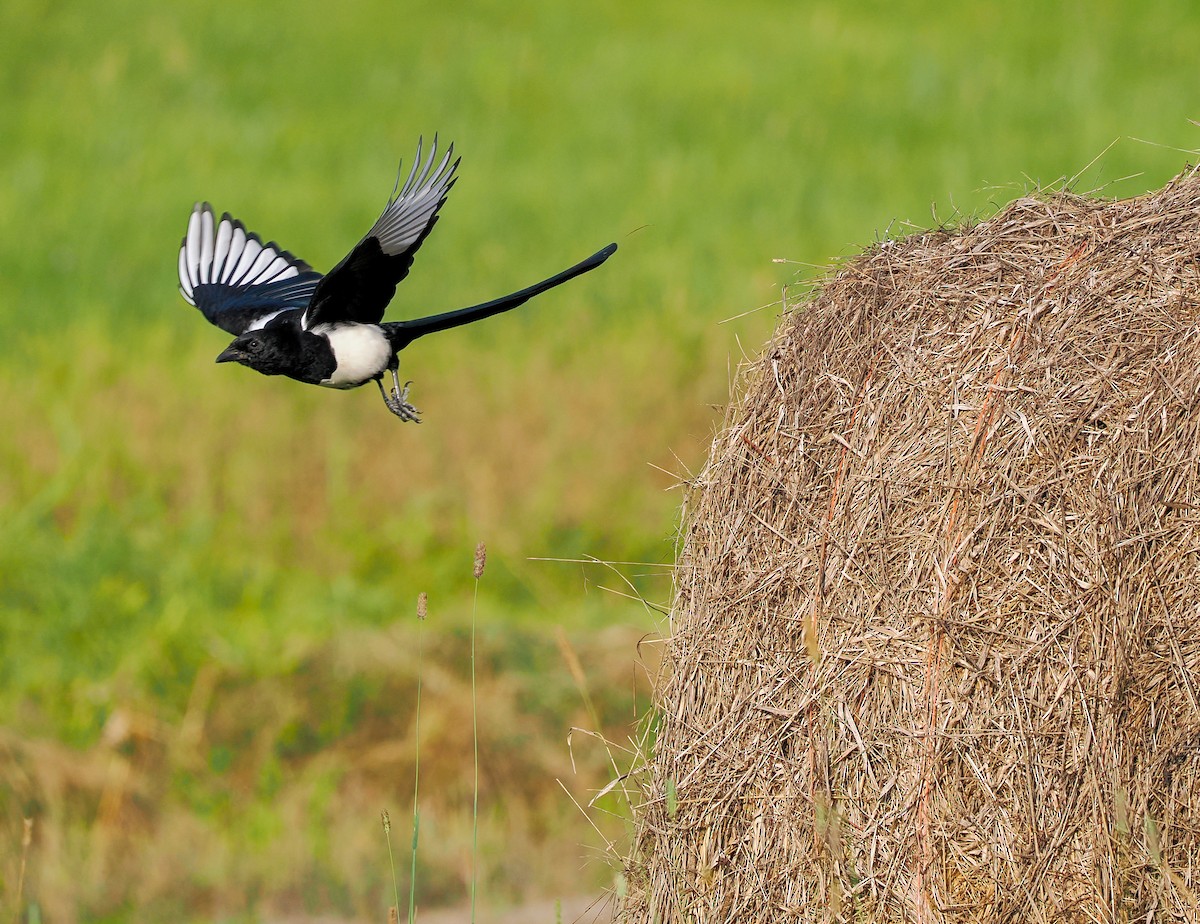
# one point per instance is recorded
(208, 652)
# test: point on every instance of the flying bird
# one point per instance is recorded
(328, 329)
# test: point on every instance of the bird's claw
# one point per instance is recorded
(397, 403)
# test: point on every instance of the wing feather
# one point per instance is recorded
(192, 244)
(361, 285)
(206, 246)
(409, 215)
(250, 251)
(236, 280)
(221, 251)
(185, 279)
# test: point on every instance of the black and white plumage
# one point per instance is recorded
(328, 330)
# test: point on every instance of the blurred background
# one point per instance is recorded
(209, 650)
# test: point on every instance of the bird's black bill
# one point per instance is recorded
(402, 333)
(230, 355)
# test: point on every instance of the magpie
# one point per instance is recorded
(288, 319)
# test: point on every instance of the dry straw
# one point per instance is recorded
(935, 649)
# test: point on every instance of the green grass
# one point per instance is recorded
(223, 565)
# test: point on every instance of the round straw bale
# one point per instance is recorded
(935, 647)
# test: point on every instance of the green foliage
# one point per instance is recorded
(224, 555)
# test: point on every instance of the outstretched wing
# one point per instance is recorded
(360, 287)
(237, 281)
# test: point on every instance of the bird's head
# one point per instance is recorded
(264, 351)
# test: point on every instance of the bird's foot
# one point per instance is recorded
(397, 403)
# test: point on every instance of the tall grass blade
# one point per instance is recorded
(480, 562)
(26, 841)
(422, 610)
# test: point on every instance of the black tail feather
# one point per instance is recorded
(401, 333)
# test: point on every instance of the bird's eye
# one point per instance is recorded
(253, 346)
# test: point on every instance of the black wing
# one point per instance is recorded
(237, 281)
(360, 287)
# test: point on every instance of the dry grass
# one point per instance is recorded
(935, 649)
(140, 826)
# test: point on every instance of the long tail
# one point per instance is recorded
(401, 333)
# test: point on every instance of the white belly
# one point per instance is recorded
(360, 350)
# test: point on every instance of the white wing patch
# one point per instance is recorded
(262, 322)
(228, 255)
(410, 212)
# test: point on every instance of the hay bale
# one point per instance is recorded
(935, 650)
